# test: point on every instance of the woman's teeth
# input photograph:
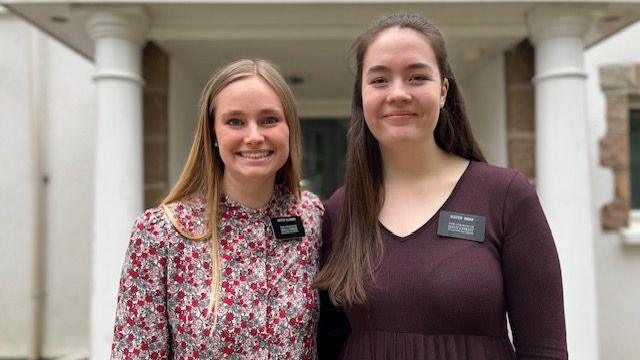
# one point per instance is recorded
(255, 154)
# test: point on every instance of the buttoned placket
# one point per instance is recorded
(259, 221)
(261, 224)
(269, 247)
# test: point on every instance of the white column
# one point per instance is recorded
(118, 33)
(562, 163)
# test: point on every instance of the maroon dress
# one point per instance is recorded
(440, 298)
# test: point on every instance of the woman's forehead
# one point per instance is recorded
(399, 45)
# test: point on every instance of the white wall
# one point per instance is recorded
(184, 96)
(44, 80)
(617, 266)
(485, 97)
(69, 202)
(16, 212)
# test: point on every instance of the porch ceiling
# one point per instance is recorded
(310, 40)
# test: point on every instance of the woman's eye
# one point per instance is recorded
(378, 81)
(418, 78)
(234, 122)
(271, 120)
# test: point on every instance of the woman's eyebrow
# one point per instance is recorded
(271, 111)
(383, 68)
(266, 111)
(231, 113)
(420, 66)
(378, 68)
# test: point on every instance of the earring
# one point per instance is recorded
(215, 144)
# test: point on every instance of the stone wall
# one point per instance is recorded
(621, 86)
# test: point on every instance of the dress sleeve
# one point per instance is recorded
(141, 326)
(531, 270)
(333, 327)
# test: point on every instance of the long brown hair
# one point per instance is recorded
(202, 174)
(358, 248)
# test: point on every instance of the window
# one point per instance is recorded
(631, 235)
(634, 157)
(324, 143)
(620, 149)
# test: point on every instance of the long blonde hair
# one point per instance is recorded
(202, 174)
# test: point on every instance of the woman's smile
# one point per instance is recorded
(255, 154)
(400, 116)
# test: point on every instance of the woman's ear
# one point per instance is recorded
(443, 92)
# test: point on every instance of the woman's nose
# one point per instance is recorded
(254, 134)
(398, 92)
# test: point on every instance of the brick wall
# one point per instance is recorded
(519, 68)
(155, 71)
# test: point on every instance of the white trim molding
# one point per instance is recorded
(561, 73)
(631, 234)
(118, 75)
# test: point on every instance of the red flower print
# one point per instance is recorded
(163, 297)
(230, 317)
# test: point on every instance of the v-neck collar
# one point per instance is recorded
(434, 217)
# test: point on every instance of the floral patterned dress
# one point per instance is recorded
(267, 308)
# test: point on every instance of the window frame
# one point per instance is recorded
(631, 234)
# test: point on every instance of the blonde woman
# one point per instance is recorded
(222, 269)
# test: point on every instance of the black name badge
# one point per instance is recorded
(461, 226)
(287, 227)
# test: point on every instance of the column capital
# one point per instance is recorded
(559, 20)
(129, 22)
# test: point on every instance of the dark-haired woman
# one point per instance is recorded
(427, 248)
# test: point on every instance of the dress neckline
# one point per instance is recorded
(432, 219)
(233, 208)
